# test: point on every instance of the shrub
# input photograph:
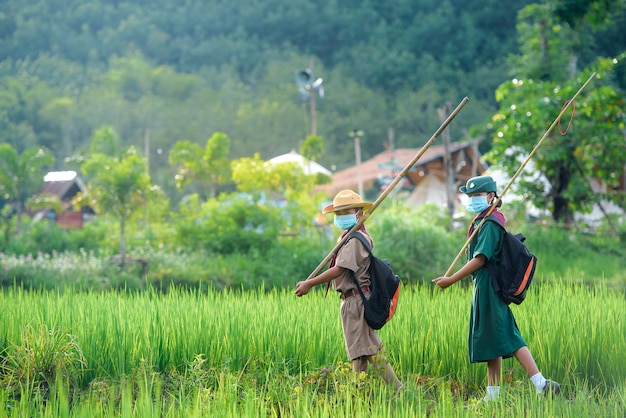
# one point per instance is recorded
(230, 224)
(43, 358)
(415, 241)
(47, 237)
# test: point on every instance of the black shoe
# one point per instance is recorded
(551, 388)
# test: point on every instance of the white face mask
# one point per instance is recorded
(477, 204)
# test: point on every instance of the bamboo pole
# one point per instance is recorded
(388, 190)
(517, 173)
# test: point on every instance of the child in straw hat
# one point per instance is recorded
(363, 345)
(493, 333)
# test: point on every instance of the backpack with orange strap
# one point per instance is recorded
(384, 288)
(514, 275)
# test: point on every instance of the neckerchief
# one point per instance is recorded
(480, 216)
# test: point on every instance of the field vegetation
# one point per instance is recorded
(268, 353)
(197, 333)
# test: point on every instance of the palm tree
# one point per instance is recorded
(118, 186)
(208, 167)
(22, 175)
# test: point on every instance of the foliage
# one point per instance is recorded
(312, 147)
(208, 167)
(46, 237)
(153, 72)
(285, 184)
(21, 175)
(578, 266)
(155, 69)
(119, 186)
(105, 140)
(233, 223)
(187, 253)
(593, 150)
(44, 357)
(258, 353)
(578, 12)
(415, 241)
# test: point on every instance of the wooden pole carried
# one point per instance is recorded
(517, 173)
(389, 188)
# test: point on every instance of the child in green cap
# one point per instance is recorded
(493, 332)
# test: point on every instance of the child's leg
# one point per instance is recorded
(390, 377)
(494, 368)
(360, 364)
(527, 361)
(380, 362)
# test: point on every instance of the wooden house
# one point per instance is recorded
(65, 185)
(424, 182)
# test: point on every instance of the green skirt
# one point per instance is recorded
(493, 331)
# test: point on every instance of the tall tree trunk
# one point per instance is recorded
(122, 242)
(561, 211)
(19, 217)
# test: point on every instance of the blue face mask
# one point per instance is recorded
(477, 204)
(345, 222)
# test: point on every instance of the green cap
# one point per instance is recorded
(478, 185)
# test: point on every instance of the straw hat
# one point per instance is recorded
(346, 199)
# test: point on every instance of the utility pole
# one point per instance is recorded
(447, 161)
(357, 134)
(308, 89)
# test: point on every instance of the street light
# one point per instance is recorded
(308, 88)
(357, 134)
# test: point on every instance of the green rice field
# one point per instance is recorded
(269, 353)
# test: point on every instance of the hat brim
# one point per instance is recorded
(331, 208)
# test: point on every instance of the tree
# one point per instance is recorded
(594, 148)
(22, 175)
(209, 167)
(312, 149)
(263, 180)
(119, 186)
(105, 140)
(255, 176)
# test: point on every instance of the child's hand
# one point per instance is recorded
(302, 288)
(443, 282)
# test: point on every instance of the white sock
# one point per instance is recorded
(493, 393)
(539, 381)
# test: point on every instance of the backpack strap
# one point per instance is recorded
(367, 246)
(361, 237)
(492, 269)
(495, 219)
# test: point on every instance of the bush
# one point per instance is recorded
(47, 237)
(228, 225)
(288, 260)
(415, 241)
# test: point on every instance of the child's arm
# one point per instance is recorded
(302, 288)
(469, 268)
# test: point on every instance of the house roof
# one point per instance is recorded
(64, 184)
(308, 166)
(388, 164)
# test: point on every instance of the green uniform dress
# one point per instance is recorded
(493, 331)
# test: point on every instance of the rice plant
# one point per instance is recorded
(268, 353)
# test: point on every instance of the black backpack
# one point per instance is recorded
(517, 267)
(384, 288)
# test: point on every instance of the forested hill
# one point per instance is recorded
(175, 70)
